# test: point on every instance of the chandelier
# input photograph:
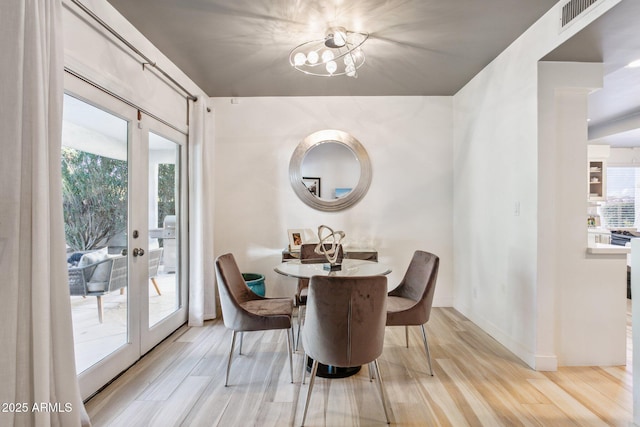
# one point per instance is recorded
(338, 54)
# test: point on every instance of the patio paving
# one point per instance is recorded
(95, 340)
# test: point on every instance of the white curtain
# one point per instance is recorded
(38, 385)
(202, 298)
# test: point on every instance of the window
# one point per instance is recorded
(619, 209)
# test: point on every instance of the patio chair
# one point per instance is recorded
(154, 262)
(99, 279)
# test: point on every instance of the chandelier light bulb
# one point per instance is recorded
(348, 60)
(300, 58)
(331, 67)
(350, 70)
(313, 57)
(339, 38)
(327, 56)
(335, 38)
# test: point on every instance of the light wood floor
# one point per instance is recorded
(477, 382)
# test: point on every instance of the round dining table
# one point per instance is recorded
(349, 267)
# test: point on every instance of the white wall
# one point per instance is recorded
(502, 280)
(627, 156)
(407, 207)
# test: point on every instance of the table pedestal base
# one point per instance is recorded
(328, 371)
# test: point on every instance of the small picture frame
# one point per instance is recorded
(296, 239)
(312, 184)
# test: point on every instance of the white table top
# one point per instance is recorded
(350, 267)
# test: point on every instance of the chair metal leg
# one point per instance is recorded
(314, 369)
(241, 339)
(289, 347)
(371, 373)
(233, 343)
(383, 395)
(406, 335)
(301, 309)
(293, 338)
(426, 348)
(304, 367)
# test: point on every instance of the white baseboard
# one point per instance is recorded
(443, 302)
(546, 363)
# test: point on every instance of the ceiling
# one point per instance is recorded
(416, 47)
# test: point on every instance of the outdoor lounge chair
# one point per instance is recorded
(99, 279)
(154, 262)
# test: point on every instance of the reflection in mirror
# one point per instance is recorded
(330, 170)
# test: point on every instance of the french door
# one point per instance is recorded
(124, 195)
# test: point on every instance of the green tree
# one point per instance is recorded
(166, 191)
(94, 198)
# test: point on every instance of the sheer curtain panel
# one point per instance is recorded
(38, 385)
(202, 298)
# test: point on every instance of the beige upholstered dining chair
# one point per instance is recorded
(309, 255)
(243, 310)
(345, 325)
(410, 303)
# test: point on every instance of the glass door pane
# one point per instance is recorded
(95, 198)
(164, 228)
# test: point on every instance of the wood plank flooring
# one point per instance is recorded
(477, 382)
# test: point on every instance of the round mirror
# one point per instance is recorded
(330, 170)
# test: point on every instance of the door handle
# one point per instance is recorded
(138, 251)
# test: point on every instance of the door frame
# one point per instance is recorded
(140, 338)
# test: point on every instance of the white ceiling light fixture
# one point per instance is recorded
(338, 54)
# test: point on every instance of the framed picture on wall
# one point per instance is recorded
(295, 239)
(312, 184)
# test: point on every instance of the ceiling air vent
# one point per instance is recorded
(574, 8)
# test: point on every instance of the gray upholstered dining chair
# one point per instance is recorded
(308, 255)
(345, 325)
(409, 304)
(243, 310)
